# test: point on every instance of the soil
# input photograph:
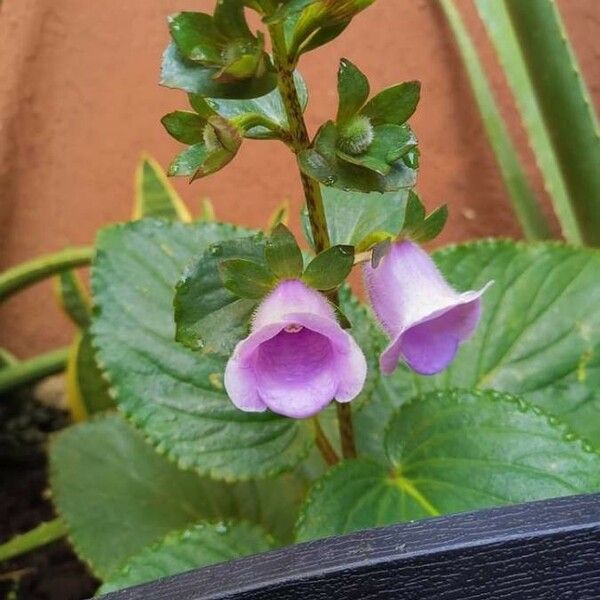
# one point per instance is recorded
(53, 572)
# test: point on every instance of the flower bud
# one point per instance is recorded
(356, 135)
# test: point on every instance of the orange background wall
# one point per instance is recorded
(79, 102)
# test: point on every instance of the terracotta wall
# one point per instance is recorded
(79, 101)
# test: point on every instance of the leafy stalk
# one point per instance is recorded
(299, 135)
(523, 199)
(33, 369)
(312, 191)
(565, 106)
(41, 535)
(499, 28)
(35, 270)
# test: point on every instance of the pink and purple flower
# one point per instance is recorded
(425, 318)
(297, 358)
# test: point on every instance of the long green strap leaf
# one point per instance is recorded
(35, 270)
(564, 104)
(33, 369)
(39, 536)
(524, 201)
(499, 28)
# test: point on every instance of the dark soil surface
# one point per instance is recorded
(52, 572)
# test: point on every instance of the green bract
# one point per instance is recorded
(215, 142)
(369, 147)
(217, 55)
(312, 23)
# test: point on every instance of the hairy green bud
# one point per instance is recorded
(356, 135)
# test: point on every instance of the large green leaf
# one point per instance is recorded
(199, 546)
(540, 326)
(173, 394)
(448, 452)
(269, 106)
(117, 495)
(352, 217)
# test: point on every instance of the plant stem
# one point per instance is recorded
(324, 445)
(35, 270)
(31, 370)
(344, 415)
(41, 535)
(299, 136)
(312, 193)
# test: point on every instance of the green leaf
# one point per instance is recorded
(7, 359)
(353, 90)
(352, 217)
(269, 106)
(245, 278)
(176, 396)
(199, 546)
(19, 277)
(323, 164)
(196, 37)
(497, 23)
(154, 195)
(73, 298)
(565, 105)
(317, 22)
(449, 452)
(187, 163)
(394, 105)
(183, 74)
(208, 316)
(524, 201)
(283, 254)
(415, 212)
(540, 326)
(230, 20)
(185, 127)
(117, 495)
(432, 226)
(44, 533)
(87, 390)
(329, 268)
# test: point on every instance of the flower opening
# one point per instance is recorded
(297, 358)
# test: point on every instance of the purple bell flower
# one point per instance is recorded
(297, 358)
(425, 318)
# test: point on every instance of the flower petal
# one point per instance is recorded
(351, 367)
(240, 383)
(291, 296)
(405, 287)
(430, 345)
